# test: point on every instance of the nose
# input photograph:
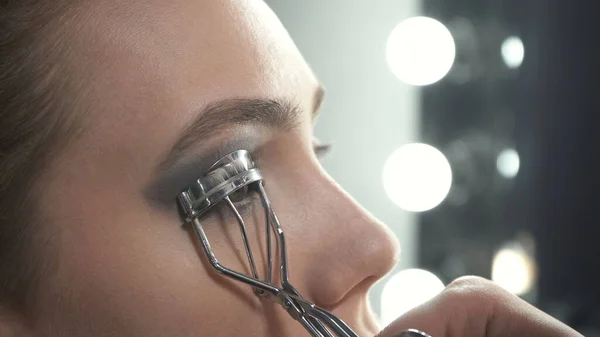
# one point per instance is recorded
(336, 243)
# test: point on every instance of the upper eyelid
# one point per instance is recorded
(320, 148)
(243, 207)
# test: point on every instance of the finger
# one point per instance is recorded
(474, 307)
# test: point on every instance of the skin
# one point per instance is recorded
(474, 307)
(126, 265)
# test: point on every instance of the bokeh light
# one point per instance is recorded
(417, 177)
(514, 270)
(420, 51)
(508, 163)
(513, 52)
(406, 290)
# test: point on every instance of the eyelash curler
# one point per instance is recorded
(228, 180)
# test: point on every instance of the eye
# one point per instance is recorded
(245, 198)
(321, 149)
(239, 195)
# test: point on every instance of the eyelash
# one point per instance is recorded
(321, 149)
(245, 199)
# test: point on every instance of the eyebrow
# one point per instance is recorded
(217, 116)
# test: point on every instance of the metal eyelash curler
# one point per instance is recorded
(232, 175)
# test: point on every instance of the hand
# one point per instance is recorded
(475, 307)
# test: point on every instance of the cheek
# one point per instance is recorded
(134, 270)
(126, 267)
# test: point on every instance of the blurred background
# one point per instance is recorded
(470, 128)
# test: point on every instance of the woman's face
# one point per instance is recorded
(174, 85)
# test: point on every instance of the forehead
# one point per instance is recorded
(216, 37)
(155, 64)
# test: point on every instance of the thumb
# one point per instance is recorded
(475, 307)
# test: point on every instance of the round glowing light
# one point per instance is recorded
(513, 52)
(406, 290)
(420, 51)
(508, 163)
(514, 270)
(417, 177)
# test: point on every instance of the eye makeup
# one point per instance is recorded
(237, 171)
(245, 204)
(170, 182)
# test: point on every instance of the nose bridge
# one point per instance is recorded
(344, 244)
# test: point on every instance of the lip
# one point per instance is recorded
(367, 324)
(355, 310)
(371, 322)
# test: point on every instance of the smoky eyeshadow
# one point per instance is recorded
(163, 190)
